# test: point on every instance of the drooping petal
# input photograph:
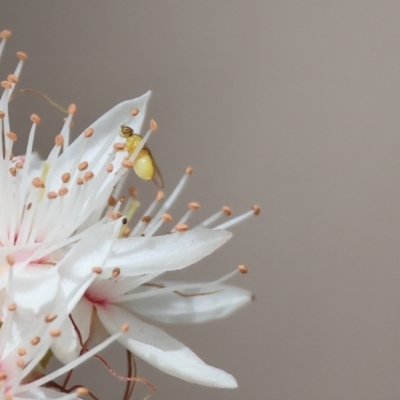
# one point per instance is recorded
(67, 347)
(141, 255)
(98, 333)
(162, 351)
(82, 315)
(208, 302)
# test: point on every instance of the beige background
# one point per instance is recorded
(292, 105)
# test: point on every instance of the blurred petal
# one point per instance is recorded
(198, 306)
(162, 351)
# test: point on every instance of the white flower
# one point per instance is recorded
(112, 303)
(23, 345)
(64, 242)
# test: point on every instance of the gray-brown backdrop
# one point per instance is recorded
(290, 104)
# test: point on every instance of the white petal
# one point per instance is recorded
(21, 255)
(82, 315)
(67, 347)
(41, 394)
(19, 334)
(90, 252)
(111, 288)
(98, 333)
(35, 288)
(141, 255)
(162, 351)
(171, 307)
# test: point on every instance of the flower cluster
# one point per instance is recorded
(77, 272)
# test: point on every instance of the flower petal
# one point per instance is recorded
(67, 347)
(91, 251)
(82, 315)
(162, 351)
(41, 394)
(141, 255)
(35, 288)
(208, 302)
(108, 289)
(22, 256)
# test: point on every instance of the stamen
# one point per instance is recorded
(193, 206)
(21, 352)
(50, 318)
(10, 260)
(181, 227)
(66, 127)
(12, 137)
(22, 58)
(21, 363)
(141, 225)
(234, 221)
(132, 192)
(224, 211)
(5, 34)
(59, 140)
(66, 177)
(126, 232)
(35, 341)
(62, 192)
(88, 176)
(52, 195)
(112, 201)
(97, 270)
(243, 269)
(88, 133)
(152, 228)
(24, 179)
(55, 333)
(83, 166)
(116, 272)
(12, 78)
(153, 125)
